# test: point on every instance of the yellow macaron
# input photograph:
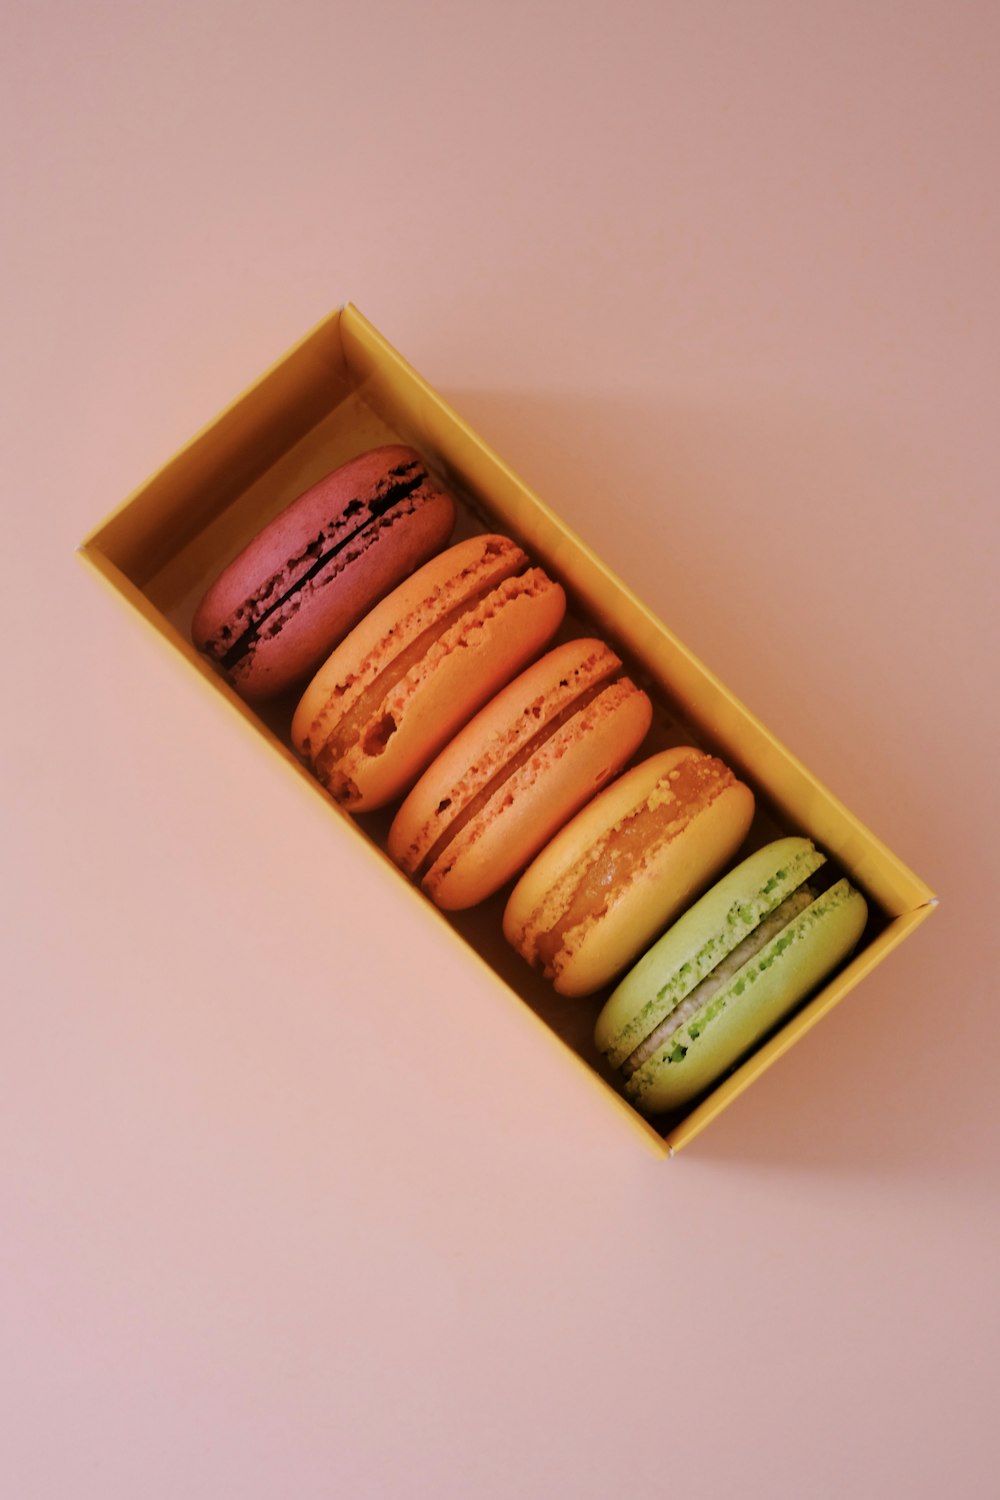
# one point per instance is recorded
(625, 865)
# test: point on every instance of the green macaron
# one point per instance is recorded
(725, 973)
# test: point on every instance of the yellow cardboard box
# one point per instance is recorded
(344, 389)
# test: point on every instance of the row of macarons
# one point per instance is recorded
(509, 761)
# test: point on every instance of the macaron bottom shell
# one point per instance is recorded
(752, 1003)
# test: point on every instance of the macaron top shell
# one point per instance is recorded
(420, 664)
(309, 575)
(517, 771)
(624, 866)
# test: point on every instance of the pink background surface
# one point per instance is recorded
(720, 282)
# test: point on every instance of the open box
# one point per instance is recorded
(342, 390)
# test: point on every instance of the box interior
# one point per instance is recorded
(343, 390)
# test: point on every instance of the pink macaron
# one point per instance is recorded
(310, 575)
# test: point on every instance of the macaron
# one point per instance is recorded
(419, 666)
(726, 972)
(613, 877)
(274, 613)
(517, 771)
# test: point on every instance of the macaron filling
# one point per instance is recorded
(267, 610)
(606, 694)
(701, 997)
(585, 891)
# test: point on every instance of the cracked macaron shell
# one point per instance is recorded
(514, 775)
(752, 1002)
(272, 615)
(420, 664)
(661, 876)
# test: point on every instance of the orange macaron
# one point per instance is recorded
(420, 664)
(517, 771)
(610, 881)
